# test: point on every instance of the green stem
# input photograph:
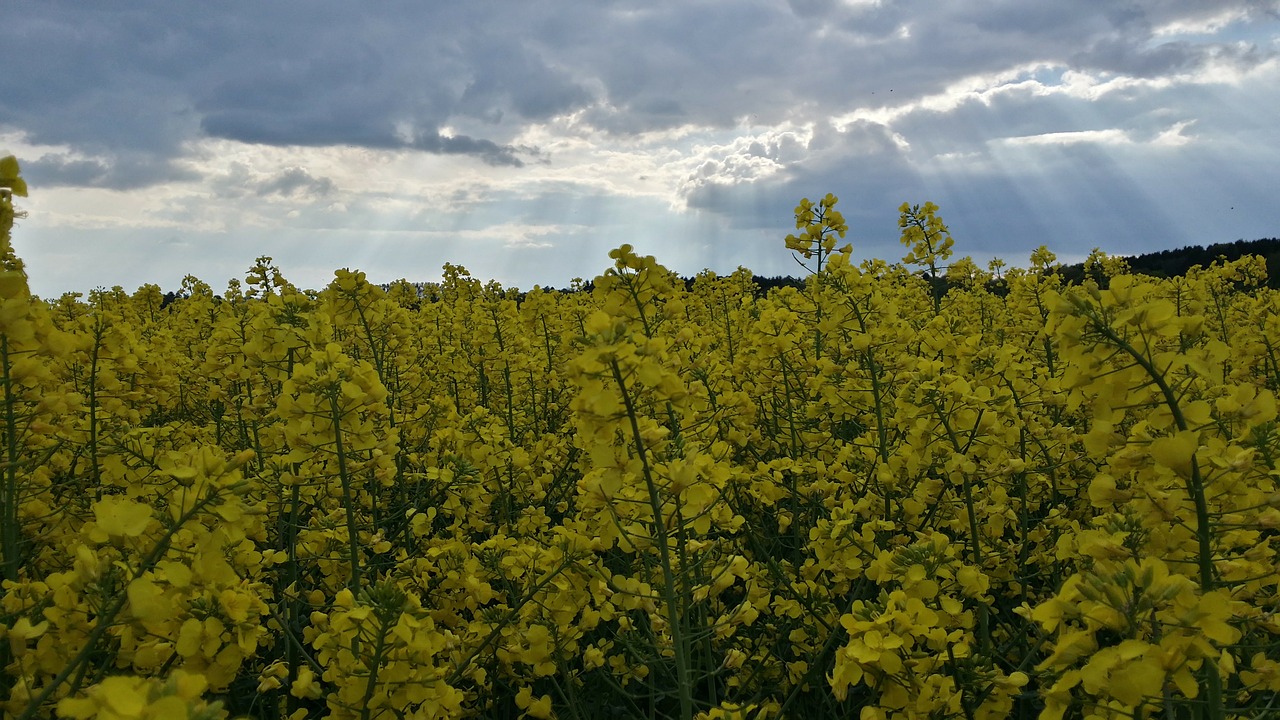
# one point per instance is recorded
(375, 664)
(106, 618)
(1195, 489)
(353, 535)
(93, 407)
(1194, 482)
(10, 529)
(292, 606)
(461, 668)
(791, 415)
(678, 638)
(984, 627)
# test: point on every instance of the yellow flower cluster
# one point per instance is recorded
(862, 497)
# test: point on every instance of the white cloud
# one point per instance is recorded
(981, 87)
(1207, 23)
(1174, 136)
(744, 160)
(1110, 136)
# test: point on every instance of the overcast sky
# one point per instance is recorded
(525, 139)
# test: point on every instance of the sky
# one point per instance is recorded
(525, 139)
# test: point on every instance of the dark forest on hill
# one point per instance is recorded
(1165, 263)
(1174, 263)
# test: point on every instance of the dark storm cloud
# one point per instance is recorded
(863, 164)
(136, 170)
(149, 77)
(1119, 55)
(752, 101)
(487, 150)
(713, 64)
(508, 75)
(95, 79)
(53, 170)
(296, 182)
(938, 45)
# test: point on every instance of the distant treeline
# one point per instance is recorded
(1166, 263)
(1175, 263)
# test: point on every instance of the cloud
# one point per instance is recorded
(512, 77)
(127, 172)
(617, 121)
(746, 159)
(296, 182)
(867, 164)
(1122, 56)
(490, 152)
(151, 80)
(240, 181)
(1110, 136)
(65, 170)
(313, 74)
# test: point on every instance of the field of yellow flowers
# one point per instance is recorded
(863, 498)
